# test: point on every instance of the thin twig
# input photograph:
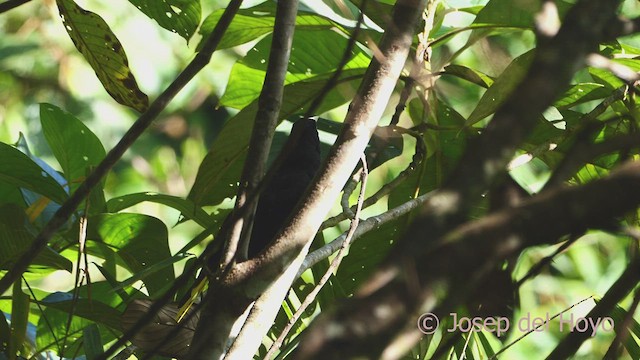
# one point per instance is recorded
(43, 316)
(536, 328)
(82, 236)
(537, 268)
(10, 4)
(418, 156)
(332, 268)
(364, 227)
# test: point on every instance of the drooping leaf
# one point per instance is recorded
(17, 169)
(502, 88)
(76, 148)
(469, 74)
(178, 16)
(15, 239)
(103, 51)
(139, 240)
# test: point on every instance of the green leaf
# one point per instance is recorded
(19, 318)
(178, 16)
(469, 74)
(15, 240)
(92, 342)
(378, 11)
(366, 253)
(314, 55)
(249, 24)
(90, 309)
(508, 13)
(501, 88)
(581, 93)
(17, 169)
(103, 51)
(54, 328)
(220, 170)
(139, 240)
(619, 315)
(76, 148)
(185, 206)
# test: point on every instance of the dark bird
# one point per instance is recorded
(287, 186)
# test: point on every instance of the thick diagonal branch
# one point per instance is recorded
(393, 287)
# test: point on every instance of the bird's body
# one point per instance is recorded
(287, 186)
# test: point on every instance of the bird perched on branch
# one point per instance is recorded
(281, 194)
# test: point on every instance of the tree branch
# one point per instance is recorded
(332, 268)
(625, 283)
(216, 323)
(484, 161)
(279, 263)
(469, 249)
(362, 118)
(10, 4)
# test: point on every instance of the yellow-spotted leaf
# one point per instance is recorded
(99, 45)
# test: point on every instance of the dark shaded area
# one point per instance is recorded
(286, 187)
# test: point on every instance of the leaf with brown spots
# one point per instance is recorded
(98, 44)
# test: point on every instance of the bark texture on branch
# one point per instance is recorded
(439, 251)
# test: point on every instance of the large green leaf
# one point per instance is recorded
(185, 206)
(314, 55)
(178, 16)
(76, 148)
(502, 88)
(93, 308)
(220, 170)
(15, 239)
(508, 13)
(17, 169)
(249, 24)
(98, 44)
(140, 241)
